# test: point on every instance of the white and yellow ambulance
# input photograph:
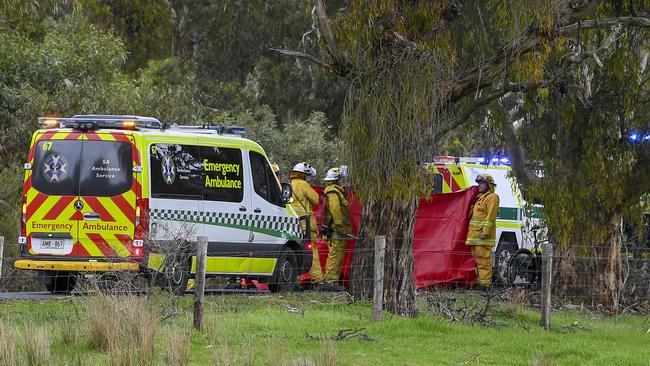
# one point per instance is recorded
(106, 193)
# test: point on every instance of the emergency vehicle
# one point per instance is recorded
(106, 193)
(516, 219)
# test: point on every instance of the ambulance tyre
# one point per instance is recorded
(502, 257)
(176, 274)
(286, 271)
(60, 282)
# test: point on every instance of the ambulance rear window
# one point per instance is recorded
(106, 168)
(56, 167)
(88, 168)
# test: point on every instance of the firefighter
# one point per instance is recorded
(337, 220)
(304, 199)
(481, 235)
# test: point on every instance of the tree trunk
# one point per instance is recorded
(593, 273)
(396, 220)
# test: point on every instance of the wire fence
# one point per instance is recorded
(598, 277)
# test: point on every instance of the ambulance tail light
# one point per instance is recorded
(141, 225)
(23, 221)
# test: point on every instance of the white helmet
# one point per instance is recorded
(304, 168)
(333, 174)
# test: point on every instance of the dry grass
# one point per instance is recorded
(225, 355)
(70, 331)
(7, 344)
(542, 360)
(36, 345)
(326, 357)
(177, 347)
(123, 327)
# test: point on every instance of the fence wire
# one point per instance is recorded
(588, 275)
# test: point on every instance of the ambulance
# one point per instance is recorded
(518, 222)
(108, 193)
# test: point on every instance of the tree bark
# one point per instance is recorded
(396, 220)
(594, 273)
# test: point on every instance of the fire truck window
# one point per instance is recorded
(56, 167)
(223, 174)
(176, 171)
(106, 168)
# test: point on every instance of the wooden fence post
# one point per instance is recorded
(2, 252)
(199, 281)
(547, 281)
(378, 299)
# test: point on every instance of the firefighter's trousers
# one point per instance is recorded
(334, 258)
(483, 256)
(316, 271)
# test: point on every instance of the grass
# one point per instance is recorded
(267, 330)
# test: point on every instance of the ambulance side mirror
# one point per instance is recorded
(287, 191)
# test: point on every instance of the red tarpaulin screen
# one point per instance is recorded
(439, 250)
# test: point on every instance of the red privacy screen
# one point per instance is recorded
(439, 250)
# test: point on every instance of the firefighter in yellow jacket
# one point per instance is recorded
(337, 219)
(481, 235)
(304, 199)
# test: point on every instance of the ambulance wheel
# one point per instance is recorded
(520, 268)
(60, 282)
(176, 274)
(286, 272)
(502, 257)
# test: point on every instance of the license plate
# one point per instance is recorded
(52, 243)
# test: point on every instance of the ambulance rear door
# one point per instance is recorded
(51, 194)
(107, 193)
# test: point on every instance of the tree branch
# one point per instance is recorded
(307, 57)
(606, 22)
(479, 102)
(342, 66)
(529, 41)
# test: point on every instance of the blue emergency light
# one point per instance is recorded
(637, 137)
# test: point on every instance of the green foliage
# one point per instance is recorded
(76, 68)
(297, 141)
(230, 43)
(145, 26)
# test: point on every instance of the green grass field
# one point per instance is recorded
(301, 330)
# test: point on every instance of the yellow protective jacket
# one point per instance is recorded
(337, 212)
(482, 219)
(304, 199)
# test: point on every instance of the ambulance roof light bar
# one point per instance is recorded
(494, 160)
(222, 130)
(638, 137)
(96, 121)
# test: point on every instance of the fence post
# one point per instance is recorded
(547, 280)
(2, 252)
(378, 299)
(199, 281)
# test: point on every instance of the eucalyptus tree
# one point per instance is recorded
(418, 70)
